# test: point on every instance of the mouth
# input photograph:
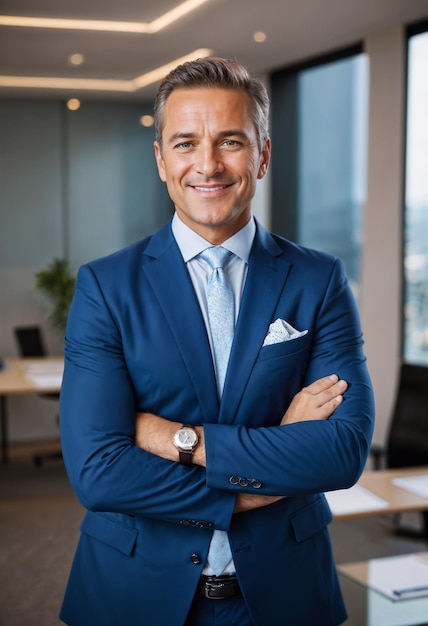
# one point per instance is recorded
(211, 188)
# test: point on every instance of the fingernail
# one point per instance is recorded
(342, 383)
(334, 377)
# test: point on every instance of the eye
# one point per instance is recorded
(232, 144)
(184, 145)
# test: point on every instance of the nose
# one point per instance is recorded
(208, 160)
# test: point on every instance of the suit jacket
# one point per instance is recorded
(136, 341)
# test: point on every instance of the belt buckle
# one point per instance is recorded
(211, 588)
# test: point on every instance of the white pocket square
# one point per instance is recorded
(280, 331)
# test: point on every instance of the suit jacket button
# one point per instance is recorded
(243, 482)
(256, 483)
(234, 480)
(205, 524)
(196, 559)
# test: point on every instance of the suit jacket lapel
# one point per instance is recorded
(267, 273)
(171, 283)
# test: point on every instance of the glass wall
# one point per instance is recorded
(332, 159)
(327, 153)
(415, 314)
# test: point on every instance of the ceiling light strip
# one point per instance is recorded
(104, 25)
(72, 24)
(152, 77)
(96, 84)
(51, 82)
(174, 15)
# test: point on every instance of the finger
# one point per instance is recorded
(335, 392)
(327, 409)
(325, 389)
(321, 384)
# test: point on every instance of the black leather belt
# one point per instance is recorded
(219, 587)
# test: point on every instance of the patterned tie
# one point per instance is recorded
(221, 317)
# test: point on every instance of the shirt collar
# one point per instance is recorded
(191, 244)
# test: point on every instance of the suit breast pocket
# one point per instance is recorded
(285, 348)
(278, 374)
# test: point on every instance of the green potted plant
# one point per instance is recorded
(57, 283)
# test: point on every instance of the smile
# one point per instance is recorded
(210, 189)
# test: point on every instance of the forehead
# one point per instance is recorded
(213, 105)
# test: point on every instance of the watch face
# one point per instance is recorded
(185, 439)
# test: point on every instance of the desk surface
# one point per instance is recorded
(398, 500)
(360, 571)
(367, 606)
(29, 376)
(24, 377)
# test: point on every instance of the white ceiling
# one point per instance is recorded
(295, 29)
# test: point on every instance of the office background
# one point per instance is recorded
(82, 184)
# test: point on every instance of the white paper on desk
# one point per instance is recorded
(45, 381)
(44, 374)
(356, 499)
(405, 575)
(415, 484)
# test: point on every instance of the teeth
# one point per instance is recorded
(210, 188)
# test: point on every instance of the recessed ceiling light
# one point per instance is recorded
(147, 120)
(76, 59)
(259, 36)
(73, 104)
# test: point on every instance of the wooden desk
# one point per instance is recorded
(398, 500)
(16, 378)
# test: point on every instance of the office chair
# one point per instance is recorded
(30, 344)
(407, 441)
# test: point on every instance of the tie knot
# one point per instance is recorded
(215, 256)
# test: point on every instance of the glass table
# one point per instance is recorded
(367, 606)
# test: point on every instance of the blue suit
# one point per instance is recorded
(136, 341)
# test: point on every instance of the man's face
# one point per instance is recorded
(210, 159)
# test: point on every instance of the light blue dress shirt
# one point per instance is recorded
(191, 245)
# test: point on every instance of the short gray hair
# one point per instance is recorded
(215, 72)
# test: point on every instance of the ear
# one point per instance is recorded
(264, 160)
(159, 161)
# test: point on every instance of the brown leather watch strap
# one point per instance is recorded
(185, 458)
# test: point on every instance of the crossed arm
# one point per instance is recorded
(317, 401)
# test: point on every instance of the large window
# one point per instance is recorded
(415, 340)
(319, 132)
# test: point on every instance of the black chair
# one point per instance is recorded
(30, 344)
(407, 441)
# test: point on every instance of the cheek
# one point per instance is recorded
(175, 170)
(252, 164)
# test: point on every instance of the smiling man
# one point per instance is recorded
(210, 157)
(215, 386)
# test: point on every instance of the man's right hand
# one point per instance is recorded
(317, 401)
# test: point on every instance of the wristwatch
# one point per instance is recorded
(185, 440)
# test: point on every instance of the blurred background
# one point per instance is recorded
(348, 82)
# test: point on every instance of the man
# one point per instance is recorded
(164, 457)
